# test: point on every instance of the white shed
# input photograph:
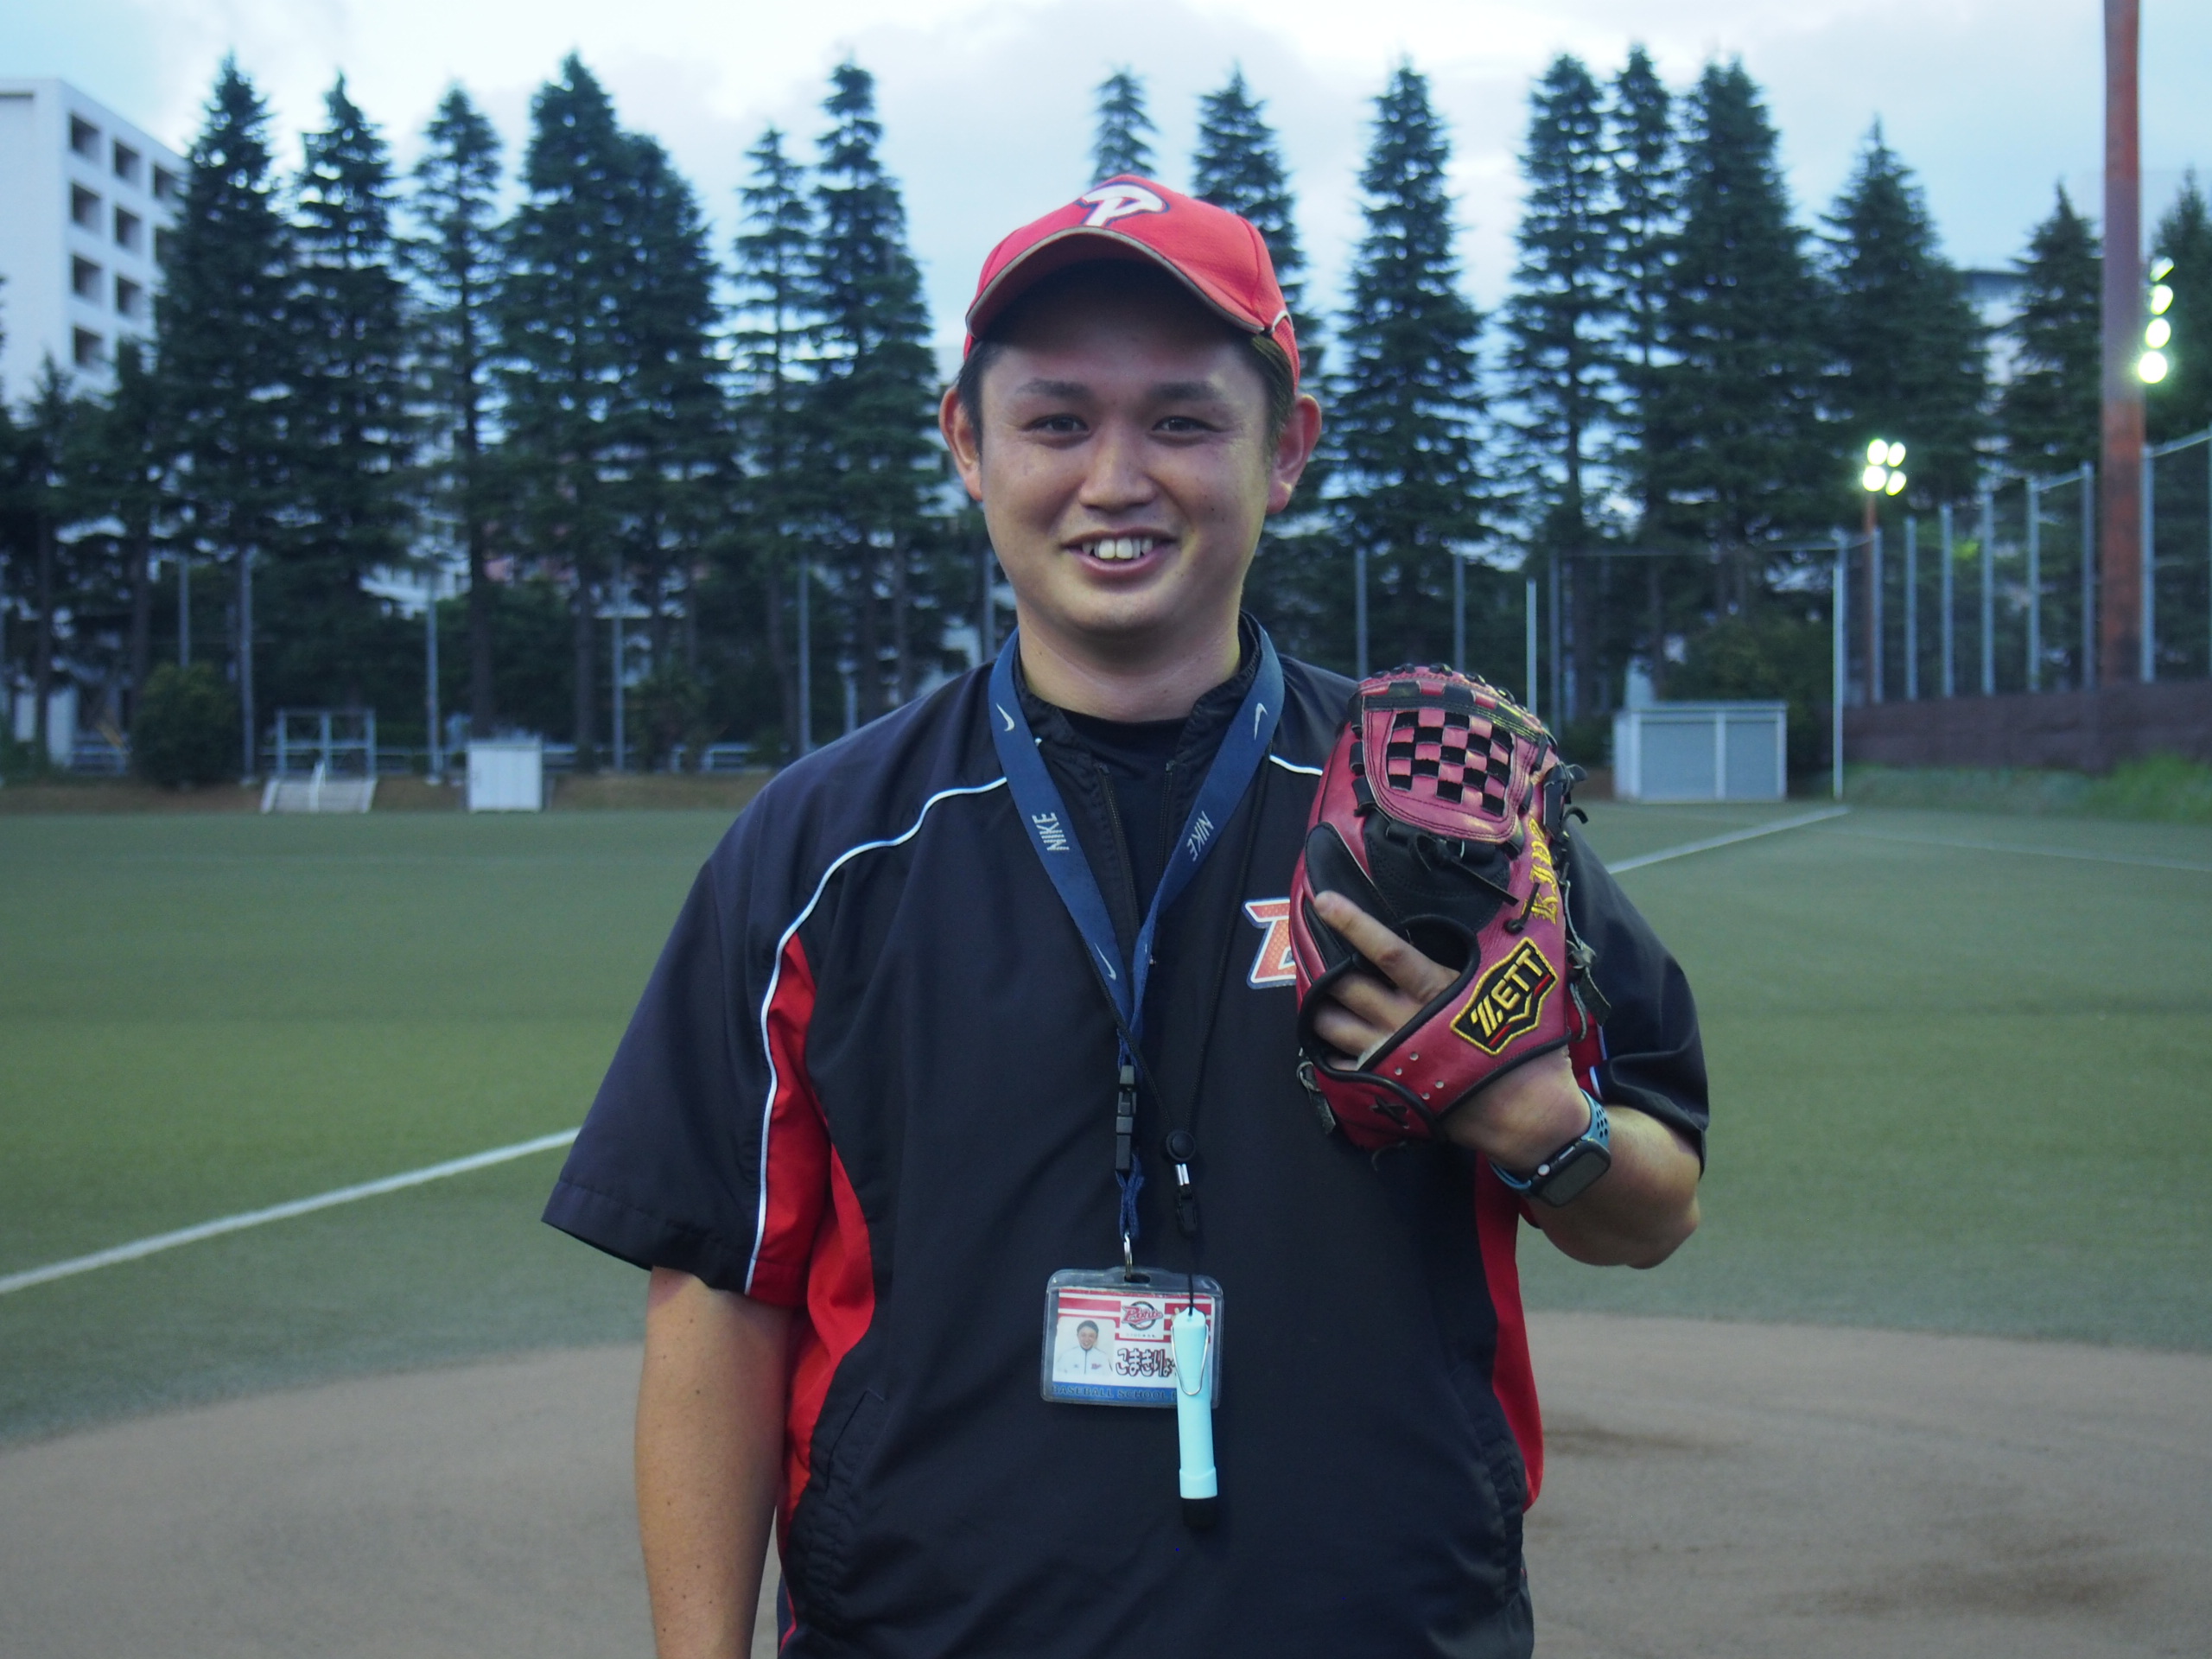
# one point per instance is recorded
(1701, 752)
(506, 774)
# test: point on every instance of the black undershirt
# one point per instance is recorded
(1134, 754)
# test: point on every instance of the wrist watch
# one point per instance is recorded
(1567, 1174)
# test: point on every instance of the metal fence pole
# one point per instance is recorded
(1911, 608)
(2150, 654)
(1950, 628)
(1359, 609)
(1988, 592)
(1559, 659)
(1529, 643)
(437, 759)
(986, 622)
(2035, 585)
(805, 664)
(1837, 645)
(1458, 614)
(1874, 616)
(2088, 675)
(620, 756)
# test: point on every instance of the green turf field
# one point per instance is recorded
(1957, 1086)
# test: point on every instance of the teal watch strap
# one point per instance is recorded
(1600, 1134)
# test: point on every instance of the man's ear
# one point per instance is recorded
(963, 440)
(1300, 433)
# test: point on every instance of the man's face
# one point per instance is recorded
(1086, 1337)
(1125, 466)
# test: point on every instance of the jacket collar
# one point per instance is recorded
(1201, 730)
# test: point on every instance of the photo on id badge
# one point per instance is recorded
(1106, 1335)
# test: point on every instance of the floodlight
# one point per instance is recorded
(1896, 455)
(2152, 367)
(2161, 297)
(2157, 333)
(2161, 268)
(1896, 486)
(1876, 453)
(1874, 477)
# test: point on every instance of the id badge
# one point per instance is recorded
(1107, 1331)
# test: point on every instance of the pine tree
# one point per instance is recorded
(1408, 469)
(350, 414)
(1558, 355)
(777, 306)
(229, 354)
(122, 471)
(560, 315)
(1238, 165)
(50, 418)
(2050, 412)
(457, 260)
(1644, 183)
(675, 422)
(1905, 338)
(1733, 434)
(2182, 402)
(1119, 146)
(872, 451)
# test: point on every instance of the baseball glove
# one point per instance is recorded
(1441, 813)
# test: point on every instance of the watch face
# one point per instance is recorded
(1574, 1173)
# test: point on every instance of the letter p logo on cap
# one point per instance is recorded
(1111, 201)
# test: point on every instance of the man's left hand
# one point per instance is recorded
(1643, 1208)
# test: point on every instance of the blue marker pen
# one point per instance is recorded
(1194, 1419)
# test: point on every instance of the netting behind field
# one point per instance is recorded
(2005, 600)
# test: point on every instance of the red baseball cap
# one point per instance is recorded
(1219, 257)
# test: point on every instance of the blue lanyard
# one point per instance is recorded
(1051, 832)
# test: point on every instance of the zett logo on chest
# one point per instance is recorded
(1275, 965)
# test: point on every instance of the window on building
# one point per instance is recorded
(162, 240)
(84, 279)
(84, 138)
(129, 297)
(129, 230)
(128, 166)
(166, 187)
(89, 349)
(85, 206)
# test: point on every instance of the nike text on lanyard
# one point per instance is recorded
(1052, 831)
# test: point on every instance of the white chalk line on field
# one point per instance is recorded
(1728, 840)
(222, 1224)
(2138, 859)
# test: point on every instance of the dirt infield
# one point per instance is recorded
(1715, 1490)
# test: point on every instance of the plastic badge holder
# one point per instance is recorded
(1127, 1357)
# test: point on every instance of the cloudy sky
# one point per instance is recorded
(987, 103)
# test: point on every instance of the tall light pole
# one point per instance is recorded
(2120, 529)
(1884, 476)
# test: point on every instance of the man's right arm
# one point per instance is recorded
(709, 1456)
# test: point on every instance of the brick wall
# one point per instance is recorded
(2081, 731)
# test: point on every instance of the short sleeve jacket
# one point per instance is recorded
(871, 1080)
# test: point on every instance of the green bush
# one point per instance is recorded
(1772, 656)
(668, 706)
(187, 730)
(2164, 787)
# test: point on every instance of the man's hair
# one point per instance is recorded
(1090, 1325)
(1096, 280)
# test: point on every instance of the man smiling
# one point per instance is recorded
(968, 1028)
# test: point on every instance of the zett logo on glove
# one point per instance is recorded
(1508, 1002)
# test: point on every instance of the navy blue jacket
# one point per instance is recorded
(871, 1080)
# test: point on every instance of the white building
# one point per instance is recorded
(87, 203)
